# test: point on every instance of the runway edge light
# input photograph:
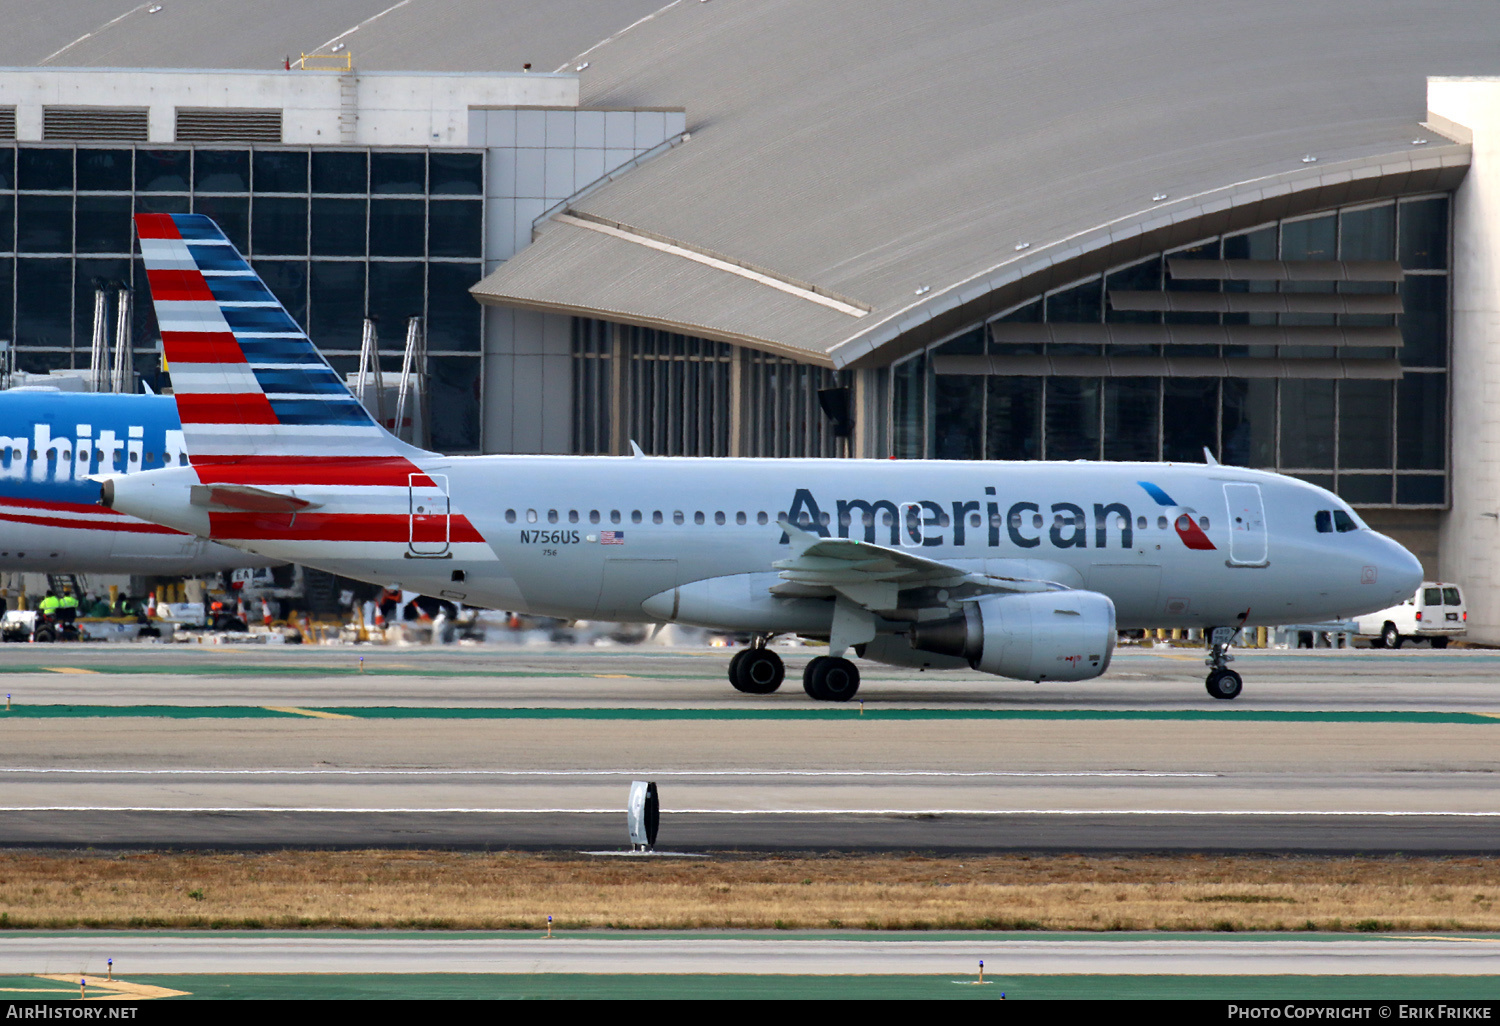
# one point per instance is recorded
(642, 815)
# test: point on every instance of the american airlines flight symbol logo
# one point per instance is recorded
(1186, 527)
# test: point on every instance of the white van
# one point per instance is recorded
(1436, 612)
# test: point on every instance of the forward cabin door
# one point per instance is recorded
(1248, 544)
(427, 516)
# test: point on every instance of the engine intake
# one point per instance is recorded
(1059, 635)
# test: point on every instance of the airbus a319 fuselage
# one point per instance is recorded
(1024, 570)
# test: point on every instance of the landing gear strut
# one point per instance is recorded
(757, 670)
(830, 679)
(1222, 682)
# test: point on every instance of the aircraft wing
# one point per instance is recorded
(874, 575)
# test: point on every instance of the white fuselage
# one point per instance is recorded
(694, 540)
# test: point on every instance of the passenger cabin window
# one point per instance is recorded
(510, 516)
(719, 518)
(635, 516)
(677, 517)
(552, 516)
(531, 516)
(593, 516)
(762, 518)
(572, 516)
(740, 518)
(656, 516)
(614, 516)
(698, 517)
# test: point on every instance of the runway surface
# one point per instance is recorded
(219, 747)
(1246, 955)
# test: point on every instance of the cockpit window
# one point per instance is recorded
(1328, 521)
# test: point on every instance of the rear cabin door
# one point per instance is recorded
(427, 516)
(1248, 544)
(1431, 608)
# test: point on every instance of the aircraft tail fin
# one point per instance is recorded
(247, 380)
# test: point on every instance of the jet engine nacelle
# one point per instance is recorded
(1056, 635)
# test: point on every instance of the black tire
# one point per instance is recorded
(45, 635)
(760, 672)
(808, 673)
(1390, 635)
(1224, 684)
(831, 679)
(1439, 642)
(734, 666)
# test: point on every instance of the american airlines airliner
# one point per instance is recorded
(1024, 570)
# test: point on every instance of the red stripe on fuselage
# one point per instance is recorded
(139, 527)
(176, 285)
(61, 507)
(225, 408)
(156, 226)
(392, 471)
(201, 347)
(337, 527)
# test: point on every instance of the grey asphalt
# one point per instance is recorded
(627, 677)
(853, 783)
(146, 953)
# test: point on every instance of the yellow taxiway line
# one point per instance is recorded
(308, 712)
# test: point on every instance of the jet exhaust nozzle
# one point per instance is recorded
(107, 494)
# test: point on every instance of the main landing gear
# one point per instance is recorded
(830, 679)
(1222, 682)
(759, 671)
(756, 670)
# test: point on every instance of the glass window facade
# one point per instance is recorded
(1375, 441)
(337, 234)
(675, 395)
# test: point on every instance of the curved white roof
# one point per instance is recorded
(869, 149)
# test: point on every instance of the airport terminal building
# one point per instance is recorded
(1089, 230)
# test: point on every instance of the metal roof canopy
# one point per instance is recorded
(940, 169)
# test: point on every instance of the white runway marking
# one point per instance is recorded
(614, 810)
(587, 773)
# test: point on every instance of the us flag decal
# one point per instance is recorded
(611, 537)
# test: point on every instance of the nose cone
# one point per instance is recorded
(1399, 570)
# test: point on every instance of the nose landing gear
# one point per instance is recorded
(757, 670)
(1222, 682)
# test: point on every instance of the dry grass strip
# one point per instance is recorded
(461, 890)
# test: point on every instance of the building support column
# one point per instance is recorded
(1469, 539)
(738, 403)
(619, 416)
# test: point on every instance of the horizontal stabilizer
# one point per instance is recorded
(247, 499)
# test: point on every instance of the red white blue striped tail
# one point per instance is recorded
(247, 380)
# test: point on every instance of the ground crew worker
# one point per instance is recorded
(68, 606)
(49, 605)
